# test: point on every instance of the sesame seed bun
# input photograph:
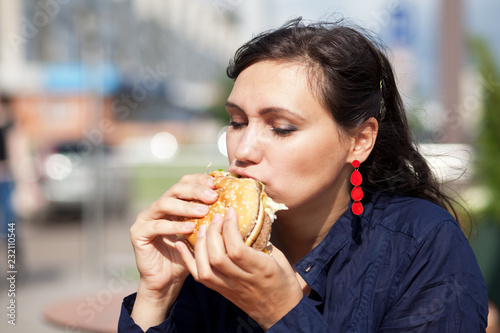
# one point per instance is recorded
(247, 197)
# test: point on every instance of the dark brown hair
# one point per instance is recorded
(354, 80)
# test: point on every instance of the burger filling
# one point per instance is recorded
(260, 234)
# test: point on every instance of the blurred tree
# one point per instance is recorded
(488, 141)
(218, 109)
(486, 245)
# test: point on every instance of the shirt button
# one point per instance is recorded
(309, 268)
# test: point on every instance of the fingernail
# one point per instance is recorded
(203, 209)
(210, 182)
(230, 213)
(188, 226)
(210, 194)
(217, 218)
(202, 230)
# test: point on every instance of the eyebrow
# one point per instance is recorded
(273, 109)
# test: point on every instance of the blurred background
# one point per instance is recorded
(105, 104)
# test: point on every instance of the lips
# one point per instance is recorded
(240, 173)
(243, 173)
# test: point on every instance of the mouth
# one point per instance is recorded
(243, 174)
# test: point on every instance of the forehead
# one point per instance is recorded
(276, 84)
(275, 74)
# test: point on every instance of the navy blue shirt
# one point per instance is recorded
(404, 265)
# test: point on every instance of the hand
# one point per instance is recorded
(154, 234)
(263, 286)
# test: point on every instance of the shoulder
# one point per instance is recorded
(413, 217)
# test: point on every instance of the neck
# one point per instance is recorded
(297, 232)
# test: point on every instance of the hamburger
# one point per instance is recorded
(255, 210)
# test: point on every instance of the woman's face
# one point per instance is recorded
(281, 135)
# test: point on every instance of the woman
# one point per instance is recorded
(309, 103)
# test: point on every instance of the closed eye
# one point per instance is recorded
(284, 131)
(236, 125)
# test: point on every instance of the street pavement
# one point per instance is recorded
(57, 288)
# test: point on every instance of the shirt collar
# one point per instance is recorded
(312, 267)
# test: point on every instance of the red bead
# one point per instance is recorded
(355, 163)
(356, 178)
(357, 208)
(357, 193)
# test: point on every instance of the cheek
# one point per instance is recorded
(310, 167)
(231, 144)
(317, 153)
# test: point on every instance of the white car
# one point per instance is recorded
(75, 179)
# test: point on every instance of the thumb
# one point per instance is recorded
(281, 259)
(290, 271)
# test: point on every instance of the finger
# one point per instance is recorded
(173, 208)
(216, 250)
(205, 273)
(235, 247)
(203, 179)
(281, 260)
(143, 234)
(187, 256)
(190, 259)
(192, 192)
(151, 229)
(187, 198)
(201, 260)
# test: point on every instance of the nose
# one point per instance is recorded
(248, 150)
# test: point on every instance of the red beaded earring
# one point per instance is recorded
(357, 192)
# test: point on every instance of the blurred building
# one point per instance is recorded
(65, 61)
(102, 78)
(189, 39)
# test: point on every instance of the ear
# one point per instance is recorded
(363, 140)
